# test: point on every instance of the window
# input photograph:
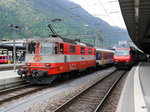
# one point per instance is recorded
(122, 52)
(56, 48)
(31, 48)
(72, 49)
(61, 48)
(82, 51)
(90, 51)
(46, 48)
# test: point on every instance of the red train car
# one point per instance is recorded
(125, 57)
(52, 57)
(3, 59)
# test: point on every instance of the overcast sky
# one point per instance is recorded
(108, 10)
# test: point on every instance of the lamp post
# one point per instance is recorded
(94, 40)
(26, 36)
(14, 28)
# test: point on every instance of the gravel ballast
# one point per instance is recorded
(49, 99)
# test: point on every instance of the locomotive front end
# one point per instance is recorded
(38, 68)
(124, 57)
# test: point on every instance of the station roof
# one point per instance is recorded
(10, 47)
(136, 14)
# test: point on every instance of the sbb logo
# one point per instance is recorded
(37, 58)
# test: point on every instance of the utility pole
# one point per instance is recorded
(14, 28)
(95, 35)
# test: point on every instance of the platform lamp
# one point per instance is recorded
(14, 28)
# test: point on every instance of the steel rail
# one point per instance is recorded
(107, 94)
(70, 101)
(22, 94)
(14, 88)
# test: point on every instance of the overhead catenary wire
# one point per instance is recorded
(69, 12)
(116, 11)
(106, 11)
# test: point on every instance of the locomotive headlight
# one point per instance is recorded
(47, 64)
(28, 64)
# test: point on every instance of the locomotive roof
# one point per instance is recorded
(76, 42)
(59, 39)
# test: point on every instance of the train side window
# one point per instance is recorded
(72, 49)
(82, 51)
(56, 48)
(61, 48)
(90, 51)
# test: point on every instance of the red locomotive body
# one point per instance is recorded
(125, 57)
(52, 56)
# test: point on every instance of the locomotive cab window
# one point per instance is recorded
(46, 48)
(82, 51)
(90, 51)
(122, 52)
(72, 49)
(31, 47)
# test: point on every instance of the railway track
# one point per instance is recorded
(18, 92)
(5, 91)
(92, 98)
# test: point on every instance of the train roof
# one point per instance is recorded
(100, 49)
(59, 39)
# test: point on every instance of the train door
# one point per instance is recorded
(61, 47)
(103, 55)
(56, 49)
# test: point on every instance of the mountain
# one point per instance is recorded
(68, 19)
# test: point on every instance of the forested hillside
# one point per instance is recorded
(33, 16)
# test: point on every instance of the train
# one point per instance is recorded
(3, 59)
(50, 58)
(127, 56)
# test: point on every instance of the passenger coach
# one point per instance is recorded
(3, 59)
(104, 57)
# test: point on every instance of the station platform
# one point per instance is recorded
(4, 67)
(135, 96)
(9, 78)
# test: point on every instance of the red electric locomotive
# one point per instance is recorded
(48, 57)
(125, 56)
(55, 57)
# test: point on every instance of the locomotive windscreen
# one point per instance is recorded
(122, 52)
(46, 48)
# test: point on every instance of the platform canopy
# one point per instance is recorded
(10, 47)
(136, 14)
